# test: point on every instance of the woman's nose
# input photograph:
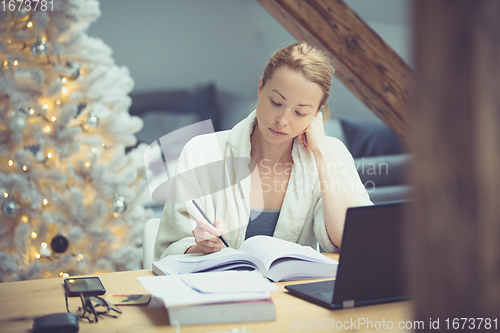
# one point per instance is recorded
(282, 118)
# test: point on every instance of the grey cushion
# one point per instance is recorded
(368, 138)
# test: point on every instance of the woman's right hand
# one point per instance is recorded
(207, 237)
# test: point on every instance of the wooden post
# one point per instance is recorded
(454, 225)
(364, 62)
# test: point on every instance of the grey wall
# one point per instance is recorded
(178, 44)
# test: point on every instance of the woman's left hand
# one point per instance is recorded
(313, 136)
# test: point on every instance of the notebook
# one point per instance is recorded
(370, 269)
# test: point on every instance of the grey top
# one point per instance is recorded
(263, 223)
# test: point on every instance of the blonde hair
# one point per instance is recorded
(310, 61)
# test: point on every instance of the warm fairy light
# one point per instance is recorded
(116, 214)
(30, 24)
(87, 164)
(64, 90)
(16, 62)
(79, 257)
(93, 150)
(37, 255)
(46, 129)
(32, 111)
(45, 201)
(33, 235)
(5, 63)
(53, 118)
(104, 144)
(63, 80)
(62, 274)
(58, 102)
(25, 168)
(44, 245)
(5, 195)
(45, 106)
(24, 219)
(49, 155)
(11, 162)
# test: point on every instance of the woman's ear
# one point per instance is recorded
(259, 90)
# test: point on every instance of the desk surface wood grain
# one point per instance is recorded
(22, 301)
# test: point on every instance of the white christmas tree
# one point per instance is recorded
(70, 191)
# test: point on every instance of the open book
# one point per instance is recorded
(275, 258)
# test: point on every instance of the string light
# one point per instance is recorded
(49, 155)
(79, 257)
(58, 102)
(93, 150)
(5, 195)
(32, 111)
(30, 24)
(63, 80)
(46, 129)
(53, 118)
(6, 63)
(25, 168)
(45, 201)
(11, 162)
(16, 62)
(33, 235)
(24, 219)
(64, 90)
(62, 274)
(37, 255)
(87, 164)
(44, 245)
(45, 106)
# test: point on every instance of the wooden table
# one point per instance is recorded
(20, 302)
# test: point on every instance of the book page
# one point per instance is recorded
(229, 282)
(268, 249)
(224, 259)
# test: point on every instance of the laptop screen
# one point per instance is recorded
(371, 263)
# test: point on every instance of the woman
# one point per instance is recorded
(301, 183)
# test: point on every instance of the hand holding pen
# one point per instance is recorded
(206, 234)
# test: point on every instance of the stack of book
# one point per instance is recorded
(213, 298)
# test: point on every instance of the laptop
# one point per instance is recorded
(370, 269)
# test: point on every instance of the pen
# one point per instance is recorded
(206, 218)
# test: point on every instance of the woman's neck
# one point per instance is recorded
(263, 150)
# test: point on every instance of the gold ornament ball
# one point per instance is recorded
(119, 206)
(39, 48)
(10, 208)
(72, 70)
(17, 124)
(90, 123)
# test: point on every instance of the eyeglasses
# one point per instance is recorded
(93, 307)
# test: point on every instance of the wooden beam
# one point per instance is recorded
(363, 61)
(454, 228)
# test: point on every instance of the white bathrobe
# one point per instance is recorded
(214, 170)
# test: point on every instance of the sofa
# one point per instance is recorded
(382, 160)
